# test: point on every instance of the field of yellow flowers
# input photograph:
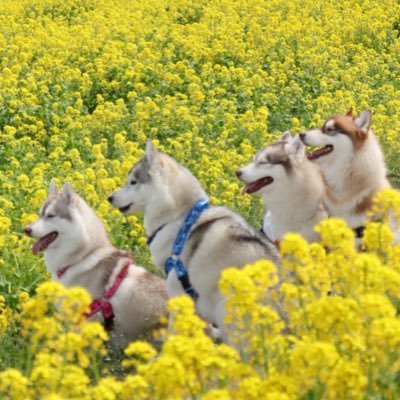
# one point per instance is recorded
(83, 83)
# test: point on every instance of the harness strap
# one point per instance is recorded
(154, 234)
(182, 275)
(60, 272)
(174, 261)
(359, 231)
(103, 304)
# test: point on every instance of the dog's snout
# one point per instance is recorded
(302, 136)
(28, 230)
(110, 199)
(239, 173)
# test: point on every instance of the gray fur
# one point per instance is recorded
(275, 153)
(61, 208)
(141, 171)
(58, 205)
(199, 232)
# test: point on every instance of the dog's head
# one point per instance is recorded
(338, 138)
(58, 223)
(272, 165)
(133, 195)
(156, 179)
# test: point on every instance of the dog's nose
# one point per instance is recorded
(110, 199)
(302, 136)
(28, 230)
(238, 173)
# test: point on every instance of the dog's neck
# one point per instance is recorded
(307, 186)
(364, 171)
(56, 259)
(154, 220)
(167, 210)
(95, 270)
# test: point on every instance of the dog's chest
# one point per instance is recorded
(92, 282)
(161, 246)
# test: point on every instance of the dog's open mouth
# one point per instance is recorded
(44, 242)
(255, 186)
(320, 152)
(126, 208)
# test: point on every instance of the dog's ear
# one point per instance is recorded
(363, 121)
(67, 192)
(296, 150)
(151, 152)
(350, 112)
(286, 137)
(52, 188)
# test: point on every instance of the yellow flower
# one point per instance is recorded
(13, 385)
(217, 394)
(335, 234)
(134, 387)
(386, 206)
(377, 237)
(107, 389)
(167, 377)
(139, 353)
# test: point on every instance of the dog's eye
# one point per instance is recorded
(50, 216)
(277, 162)
(133, 182)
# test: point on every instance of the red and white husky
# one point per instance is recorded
(352, 163)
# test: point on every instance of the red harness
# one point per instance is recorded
(60, 272)
(104, 304)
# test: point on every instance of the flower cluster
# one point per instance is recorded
(323, 324)
(83, 83)
(329, 326)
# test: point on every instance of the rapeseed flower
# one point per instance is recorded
(84, 84)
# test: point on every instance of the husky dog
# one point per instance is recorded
(78, 252)
(165, 192)
(352, 164)
(292, 187)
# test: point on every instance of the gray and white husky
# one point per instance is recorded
(292, 186)
(165, 192)
(77, 252)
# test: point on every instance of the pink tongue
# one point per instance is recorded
(257, 185)
(43, 242)
(320, 152)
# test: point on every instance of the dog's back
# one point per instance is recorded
(138, 304)
(221, 239)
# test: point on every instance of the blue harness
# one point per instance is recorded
(174, 261)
